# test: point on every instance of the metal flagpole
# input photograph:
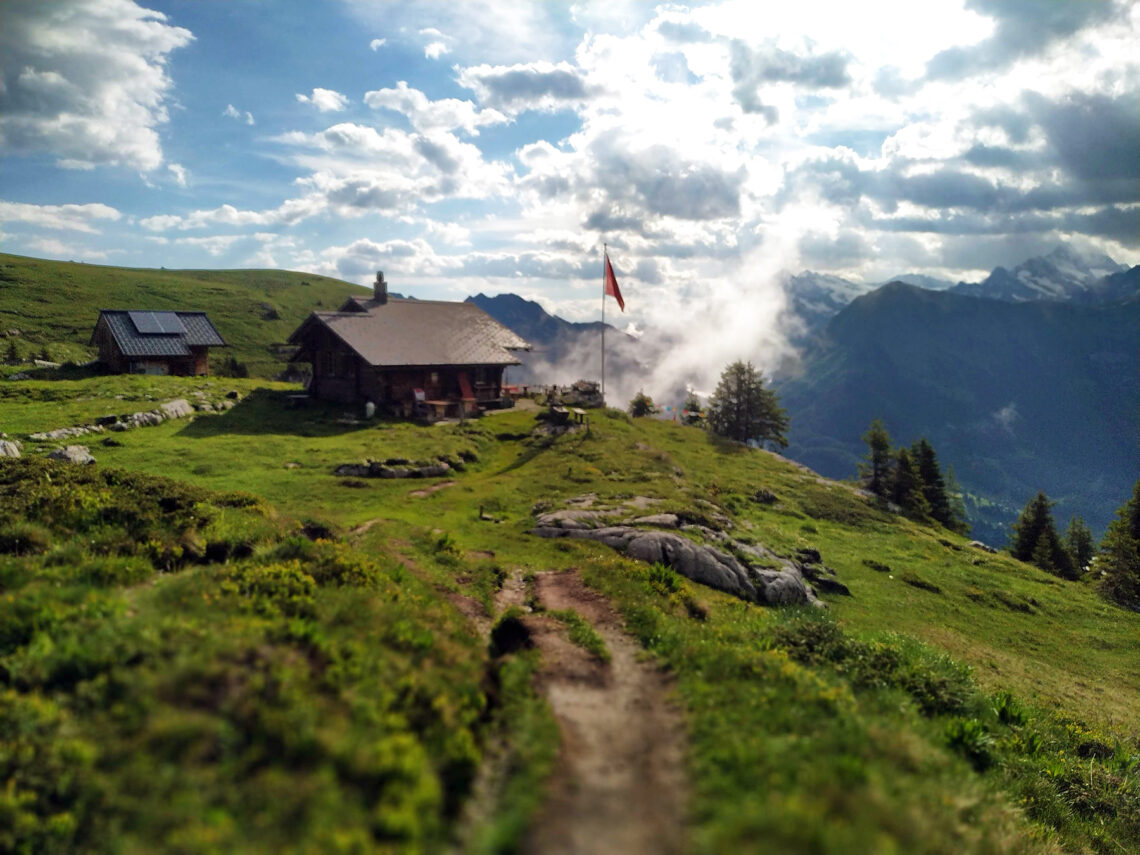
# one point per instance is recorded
(605, 255)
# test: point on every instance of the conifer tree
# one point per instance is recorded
(1119, 559)
(957, 503)
(1079, 543)
(907, 487)
(933, 484)
(742, 408)
(876, 470)
(1035, 538)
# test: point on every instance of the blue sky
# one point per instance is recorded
(493, 146)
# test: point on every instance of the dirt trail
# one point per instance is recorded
(619, 785)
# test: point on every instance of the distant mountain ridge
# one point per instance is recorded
(563, 351)
(1063, 274)
(1018, 396)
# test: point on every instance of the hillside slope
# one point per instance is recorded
(1018, 397)
(54, 305)
(200, 675)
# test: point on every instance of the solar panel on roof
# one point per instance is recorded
(157, 323)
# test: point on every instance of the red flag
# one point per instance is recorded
(611, 284)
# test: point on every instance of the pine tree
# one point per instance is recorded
(1035, 538)
(876, 470)
(742, 408)
(907, 487)
(933, 484)
(1079, 543)
(1119, 559)
(957, 503)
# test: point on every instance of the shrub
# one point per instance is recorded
(274, 589)
(642, 405)
(969, 738)
(24, 538)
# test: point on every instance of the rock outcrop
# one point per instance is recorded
(9, 448)
(724, 570)
(72, 454)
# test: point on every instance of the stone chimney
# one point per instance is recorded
(380, 288)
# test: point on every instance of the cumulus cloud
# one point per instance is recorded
(1022, 29)
(288, 213)
(754, 68)
(527, 86)
(359, 260)
(78, 218)
(376, 44)
(446, 114)
(657, 181)
(325, 100)
(86, 81)
(56, 248)
(233, 112)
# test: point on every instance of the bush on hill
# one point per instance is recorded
(642, 405)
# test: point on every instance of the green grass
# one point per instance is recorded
(581, 632)
(958, 701)
(30, 406)
(55, 304)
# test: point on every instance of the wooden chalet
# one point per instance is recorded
(145, 342)
(427, 356)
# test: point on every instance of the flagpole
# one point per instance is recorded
(604, 256)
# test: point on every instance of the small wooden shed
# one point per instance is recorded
(134, 341)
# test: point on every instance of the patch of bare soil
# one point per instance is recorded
(364, 526)
(434, 488)
(619, 785)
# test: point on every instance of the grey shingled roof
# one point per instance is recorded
(421, 332)
(199, 332)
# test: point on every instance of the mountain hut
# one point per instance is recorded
(410, 356)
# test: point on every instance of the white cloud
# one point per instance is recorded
(288, 213)
(434, 50)
(234, 113)
(86, 81)
(78, 218)
(528, 86)
(376, 44)
(55, 248)
(181, 176)
(325, 100)
(446, 114)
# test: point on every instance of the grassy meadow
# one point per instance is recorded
(212, 642)
(54, 305)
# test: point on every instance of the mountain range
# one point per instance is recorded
(1063, 275)
(1016, 396)
(1027, 380)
